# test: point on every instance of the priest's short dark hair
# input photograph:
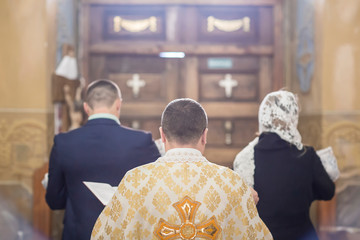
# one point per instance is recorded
(184, 121)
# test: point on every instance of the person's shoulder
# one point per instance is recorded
(308, 150)
(229, 174)
(222, 169)
(306, 154)
(146, 168)
(68, 135)
(135, 132)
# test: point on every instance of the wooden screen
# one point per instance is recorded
(233, 57)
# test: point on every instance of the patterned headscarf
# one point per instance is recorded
(278, 113)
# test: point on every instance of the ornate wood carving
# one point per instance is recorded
(228, 25)
(134, 26)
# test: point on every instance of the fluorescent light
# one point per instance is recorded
(172, 55)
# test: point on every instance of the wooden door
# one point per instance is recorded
(232, 59)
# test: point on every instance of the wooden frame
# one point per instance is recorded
(152, 48)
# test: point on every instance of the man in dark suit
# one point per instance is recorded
(100, 151)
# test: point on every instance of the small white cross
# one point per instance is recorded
(228, 83)
(135, 83)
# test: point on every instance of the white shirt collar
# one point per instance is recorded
(104, 115)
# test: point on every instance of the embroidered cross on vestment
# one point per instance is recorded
(186, 209)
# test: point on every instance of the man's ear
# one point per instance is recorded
(87, 108)
(118, 104)
(162, 135)
(204, 136)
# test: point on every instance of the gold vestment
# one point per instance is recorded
(181, 196)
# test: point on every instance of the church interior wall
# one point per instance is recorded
(330, 112)
(25, 107)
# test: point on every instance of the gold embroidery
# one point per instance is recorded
(233, 179)
(185, 173)
(264, 228)
(245, 221)
(186, 209)
(225, 213)
(107, 212)
(152, 220)
(258, 227)
(161, 201)
(137, 177)
(115, 209)
(212, 199)
(210, 171)
(97, 227)
(233, 198)
(250, 232)
(242, 189)
(239, 211)
(108, 229)
(137, 233)
(160, 172)
(117, 234)
(251, 207)
(173, 219)
(230, 229)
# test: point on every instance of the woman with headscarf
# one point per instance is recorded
(287, 175)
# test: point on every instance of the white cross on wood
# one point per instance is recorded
(228, 83)
(135, 83)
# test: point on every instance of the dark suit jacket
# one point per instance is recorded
(100, 151)
(287, 181)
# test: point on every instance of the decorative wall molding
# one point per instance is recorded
(344, 137)
(25, 140)
(134, 26)
(228, 25)
(22, 143)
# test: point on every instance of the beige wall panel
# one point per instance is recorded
(341, 55)
(22, 54)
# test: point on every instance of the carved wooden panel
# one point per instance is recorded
(127, 23)
(244, 90)
(102, 65)
(227, 24)
(229, 78)
(232, 60)
(234, 133)
(241, 25)
(140, 87)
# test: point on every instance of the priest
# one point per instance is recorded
(181, 195)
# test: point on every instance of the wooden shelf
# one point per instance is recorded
(188, 49)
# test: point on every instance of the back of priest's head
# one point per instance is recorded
(184, 121)
(102, 93)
